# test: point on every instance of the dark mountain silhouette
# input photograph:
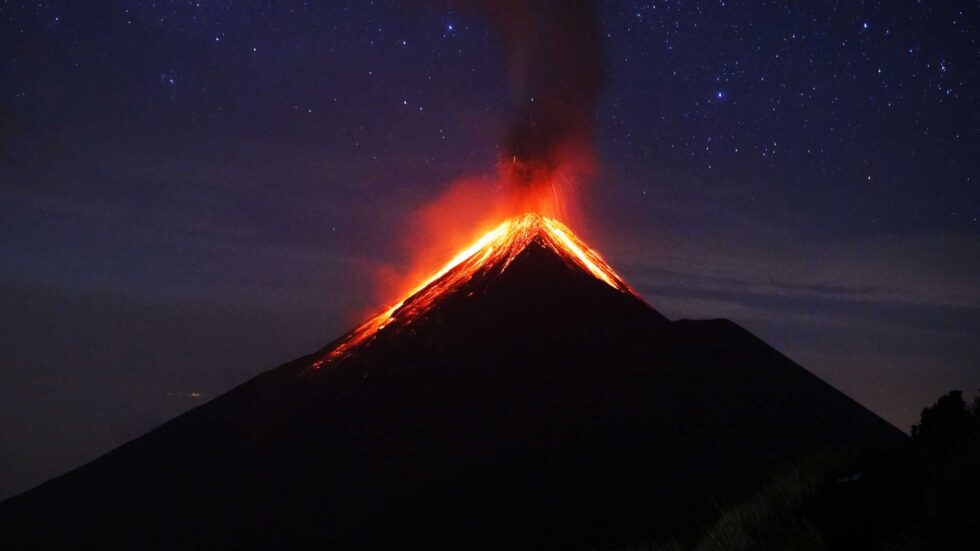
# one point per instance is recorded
(528, 403)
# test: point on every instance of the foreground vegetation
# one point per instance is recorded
(925, 497)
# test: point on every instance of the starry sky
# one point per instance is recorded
(194, 192)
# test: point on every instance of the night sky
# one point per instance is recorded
(194, 192)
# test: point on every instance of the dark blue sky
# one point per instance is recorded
(193, 192)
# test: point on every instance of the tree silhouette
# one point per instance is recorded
(943, 423)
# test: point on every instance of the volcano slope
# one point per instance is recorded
(527, 402)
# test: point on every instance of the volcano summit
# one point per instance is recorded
(492, 253)
(524, 395)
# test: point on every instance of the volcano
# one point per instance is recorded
(523, 396)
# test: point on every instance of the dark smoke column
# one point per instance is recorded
(556, 77)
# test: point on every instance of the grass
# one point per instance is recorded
(770, 519)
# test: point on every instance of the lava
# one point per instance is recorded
(495, 250)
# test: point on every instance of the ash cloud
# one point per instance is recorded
(556, 74)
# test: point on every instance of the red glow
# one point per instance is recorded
(481, 224)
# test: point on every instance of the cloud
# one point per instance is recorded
(928, 269)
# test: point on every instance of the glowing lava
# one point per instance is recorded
(495, 250)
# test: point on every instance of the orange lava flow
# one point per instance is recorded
(493, 251)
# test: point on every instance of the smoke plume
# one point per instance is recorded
(556, 75)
